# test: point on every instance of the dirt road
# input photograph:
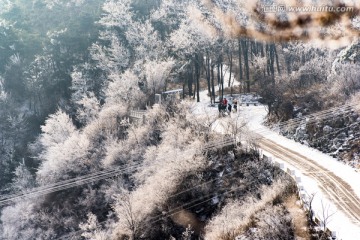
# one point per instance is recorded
(336, 189)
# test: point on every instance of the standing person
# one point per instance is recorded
(235, 105)
(219, 105)
(229, 108)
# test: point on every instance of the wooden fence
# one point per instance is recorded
(139, 114)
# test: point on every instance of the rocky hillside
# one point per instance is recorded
(338, 136)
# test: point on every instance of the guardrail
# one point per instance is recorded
(301, 190)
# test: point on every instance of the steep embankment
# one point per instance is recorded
(336, 133)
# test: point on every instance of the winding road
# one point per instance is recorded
(337, 190)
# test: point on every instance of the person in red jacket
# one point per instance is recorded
(225, 102)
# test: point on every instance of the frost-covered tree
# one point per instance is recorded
(57, 129)
(139, 35)
(92, 229)
(115, 57)
(89, 108)
(14, 221)
(63, 149)
(157, 74)
(345, 81)
(124, 89)
(23, 180)
(136, 53)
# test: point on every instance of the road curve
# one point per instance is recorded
(336, 189)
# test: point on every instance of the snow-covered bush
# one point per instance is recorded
(107, 124)
(24, 179)
(14, 221)
(92, 229)
(62, 148)
(273, 222)
(236, 215)
(355, 102)
(345, 81)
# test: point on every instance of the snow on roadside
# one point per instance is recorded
(322, 206)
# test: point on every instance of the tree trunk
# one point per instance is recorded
(230, 69)
(245, 48)
(252, 50)
(212, 82)
(190, 80)
(261, 48)
(240, 64)
(218, 73)
(230, 57)
(267, 51)
(183, 92)
(272, 62)
(207, 71)
(277, 60)
(288, 64)
(222, 79)
(197, 75)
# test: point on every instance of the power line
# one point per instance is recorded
(74, 234)
(93, 177)
(62, 185)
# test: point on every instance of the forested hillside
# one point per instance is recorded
(71, 72)
(41, 43)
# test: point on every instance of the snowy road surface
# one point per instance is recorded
(335, 188)
(335, 185)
